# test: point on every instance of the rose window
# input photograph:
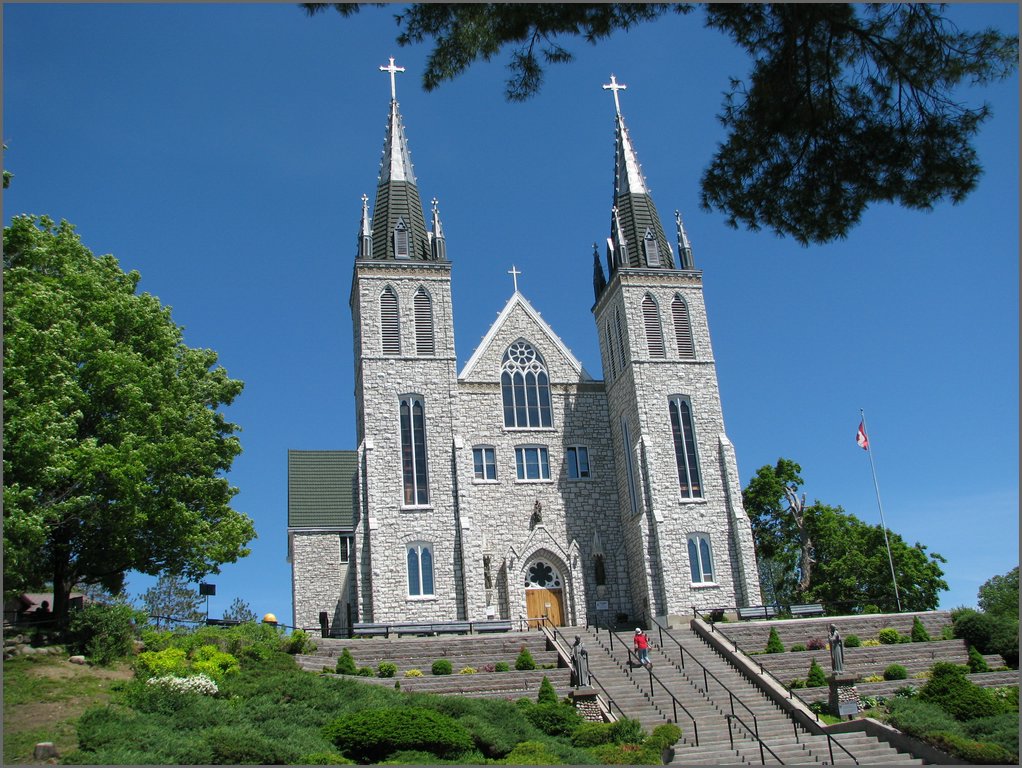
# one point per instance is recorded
(543, 575)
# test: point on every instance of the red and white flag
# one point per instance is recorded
(860, 437)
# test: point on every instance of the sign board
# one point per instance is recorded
(602, 605)
(848, 708)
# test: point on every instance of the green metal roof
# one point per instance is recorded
(321, 489)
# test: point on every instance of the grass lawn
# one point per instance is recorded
(44, 696)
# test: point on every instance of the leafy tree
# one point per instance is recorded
(845, 105)
(239, 610)
(998, 595)
(846, 558)
(114, 448)
(171, 598)
(7, 174)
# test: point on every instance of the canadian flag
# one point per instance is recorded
(860, 437)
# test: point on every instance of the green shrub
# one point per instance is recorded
(627, 731)
(920, 718)
(547, 694)
(919, 633)
(244, 744)
(413, 673)
(975, 752)
(501, 666)
(955, 694)
(816, 676)
(907, 691)
(210, 660)
(870, 608)
(369, 736)
(386, 669)
(592, 735)
(797, 647)
(345, 663)
(324, 758)
(532, 753)
(169, 661)
(365, 672)
(904, 638)
(895, 672)
(797, 683)
(976, 661)
(104, 633)
(888, 636)
(627, 754)
(988, 633)
(441, 667)
(774, 644)
(998, 729)
(947, 632)
(1008, 696)
(554, 719)
(852, 641)
(525, 661)
(467, 671)
(665, 736)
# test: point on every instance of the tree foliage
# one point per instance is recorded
(114, 447)
(998, 595)
(171, 598)
(848, 557)
(845, 104)
(239, 610)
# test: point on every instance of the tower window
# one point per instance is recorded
(533, 462)
(682, 327)
(610, 351)
(577, 459)
(424, 343)
(345, 552)
(525, 388)
(654, 331)
(685, 448)
(629, 466)
(620, 339)
(390, 327)
(420, 569)
(652, 248)
(700, 560)
(484, 462)
(413, 451)
(401, 240)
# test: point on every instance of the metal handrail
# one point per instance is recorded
(593, 678)
(762, 744)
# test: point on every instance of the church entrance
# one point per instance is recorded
(544, 594)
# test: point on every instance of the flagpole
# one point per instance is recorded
(880, 506)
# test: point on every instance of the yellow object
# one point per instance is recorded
(269, 619)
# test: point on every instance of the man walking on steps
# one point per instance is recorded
(642, 648)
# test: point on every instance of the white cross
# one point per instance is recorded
(514, 275)
(393, 84)
(612, 86)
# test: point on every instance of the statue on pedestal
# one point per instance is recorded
(579, 664)
(837, 650)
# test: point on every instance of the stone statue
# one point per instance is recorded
(579, 664)
(837, 650)
(537, 514)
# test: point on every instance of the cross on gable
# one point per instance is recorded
(393, 70)
(514, 272)
(614, 86)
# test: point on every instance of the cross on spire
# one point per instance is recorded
(393, 70)
(514, 272)
(613, 85)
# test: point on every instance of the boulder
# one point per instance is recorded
(77, 659)
(45, 750)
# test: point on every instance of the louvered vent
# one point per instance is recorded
(610, 352)
(682, 328)
(390, 327)
(652, 248)
(424, 344)
(401, 240)
(654, 332)
(620, 339)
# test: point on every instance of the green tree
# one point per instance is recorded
(114, 447)
(998, 595)
(239, 610)
(171, 598)
(846, 104)
(820, 553)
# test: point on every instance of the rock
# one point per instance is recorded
(45, 750)
(77, 659)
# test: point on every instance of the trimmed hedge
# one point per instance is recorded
(949, 689)
(895, 672)
(441, 667)
(370, 736)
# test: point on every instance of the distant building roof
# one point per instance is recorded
(321, 489)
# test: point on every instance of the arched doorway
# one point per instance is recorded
(544, 593)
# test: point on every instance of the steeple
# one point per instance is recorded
(637, 238)
(398, 225)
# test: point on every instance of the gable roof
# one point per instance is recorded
(321, 489)
(519, 301)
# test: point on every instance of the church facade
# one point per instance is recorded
(520, 485)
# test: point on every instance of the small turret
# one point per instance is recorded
(438, 245)
(599, 281)
(365, 232)
(684, 247)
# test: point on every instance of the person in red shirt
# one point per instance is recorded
(642, 648)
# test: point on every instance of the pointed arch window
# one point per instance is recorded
(651, 247)
(685, 448)
(682, 327)
(402, 250)
(700, 558)
(610, 351)
(525, 387)
(620, 339)
(654, 331)
(420, 569)
(629, 466)
(413, 451)
(390, 326)
(424, 340)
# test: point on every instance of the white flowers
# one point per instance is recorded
(201, 684)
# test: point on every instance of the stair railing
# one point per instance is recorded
(762, 744)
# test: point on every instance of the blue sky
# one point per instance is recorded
(222, 151)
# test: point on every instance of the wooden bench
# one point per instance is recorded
(809, 609)
(757, 612)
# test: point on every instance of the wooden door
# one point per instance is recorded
(544, 602)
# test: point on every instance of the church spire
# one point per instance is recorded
(637, 237)
(398, 225)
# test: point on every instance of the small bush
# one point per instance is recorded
(365, 672)
(626, 754)
(345, 663)
(104, 633)
(547, 694)
(169, 661)
(627, 731)
(554, 719)
(386, 669)
(441, 667)
(501, 666)
(919, 633)
(488, 667)
(665, 736)
(906, 692)
(592, 735)
(975, 752)
(976, 661)
(888, 636)
(797, 683)
(904, 638)
(870, 608)
(210, 660)
(774, 644)
(895, 672)
(413, 673)
(816, 644)
(370, 736)
(467, 671)
(298, 642)
(873, 679)
(852, 641)
(532, 753)
(816, 677)
(871, 642)
(959, 697)
(797, 647)
(919, 718)
(525, 661)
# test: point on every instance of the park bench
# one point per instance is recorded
(222, 622)
(809, 609)
(492, 625)
(370, 630)
(757, 612)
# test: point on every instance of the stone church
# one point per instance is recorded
(521, 485)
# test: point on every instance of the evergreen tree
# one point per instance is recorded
(170, 600)
(239, 610)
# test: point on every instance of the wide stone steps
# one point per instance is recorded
(509, 685)
(752, 635)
